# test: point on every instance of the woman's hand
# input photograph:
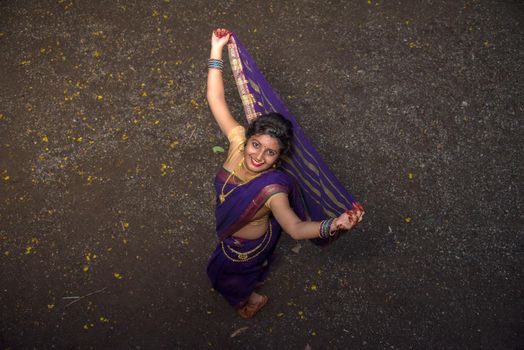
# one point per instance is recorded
(350, 218)
(219, 38)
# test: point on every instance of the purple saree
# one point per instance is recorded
(237, 265)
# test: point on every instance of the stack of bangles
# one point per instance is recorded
(325, 228)
(215, 64)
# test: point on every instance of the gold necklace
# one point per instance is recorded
(222, 197)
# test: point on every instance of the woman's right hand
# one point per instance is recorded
(219, 38)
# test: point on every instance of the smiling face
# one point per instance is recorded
(261, 152)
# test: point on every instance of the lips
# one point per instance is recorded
(255, 163)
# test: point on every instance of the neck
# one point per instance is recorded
(247, 174)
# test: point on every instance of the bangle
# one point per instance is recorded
(215, 64)
(325, 228)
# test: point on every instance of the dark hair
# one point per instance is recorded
(274, 125)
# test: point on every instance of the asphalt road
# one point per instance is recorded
(106, 168)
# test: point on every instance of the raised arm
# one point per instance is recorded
(215, 85)
(299, 229)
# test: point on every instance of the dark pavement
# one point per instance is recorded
(106, 168)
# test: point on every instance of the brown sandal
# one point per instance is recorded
(248, 311)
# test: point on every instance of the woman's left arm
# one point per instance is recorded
(299, 229)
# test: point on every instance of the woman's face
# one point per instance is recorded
(261, 152)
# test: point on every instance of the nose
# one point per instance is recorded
(259, 155)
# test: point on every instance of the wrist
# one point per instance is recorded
(333, 227)
(216, 53)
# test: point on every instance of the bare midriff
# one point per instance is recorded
(251, 231)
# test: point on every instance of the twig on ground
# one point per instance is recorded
(83, 297)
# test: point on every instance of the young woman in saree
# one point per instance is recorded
(255, 200)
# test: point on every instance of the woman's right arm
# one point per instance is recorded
(215, 85)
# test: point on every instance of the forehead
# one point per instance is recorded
(266, 141)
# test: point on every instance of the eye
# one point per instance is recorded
(271, 153)
(256, 144)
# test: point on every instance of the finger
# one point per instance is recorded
(352, 218)
(358, 206)
(356, 218)
(339, 225)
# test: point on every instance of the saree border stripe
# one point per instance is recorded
(248, 101)
(253, 207)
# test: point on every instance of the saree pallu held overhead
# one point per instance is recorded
(321, 192)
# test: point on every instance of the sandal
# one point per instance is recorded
(248, 311)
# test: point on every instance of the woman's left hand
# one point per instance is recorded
(350, 218)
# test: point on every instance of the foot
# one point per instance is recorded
(254, 304)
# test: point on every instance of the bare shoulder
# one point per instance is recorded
(278, 201)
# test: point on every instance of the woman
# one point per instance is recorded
(255, 200)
